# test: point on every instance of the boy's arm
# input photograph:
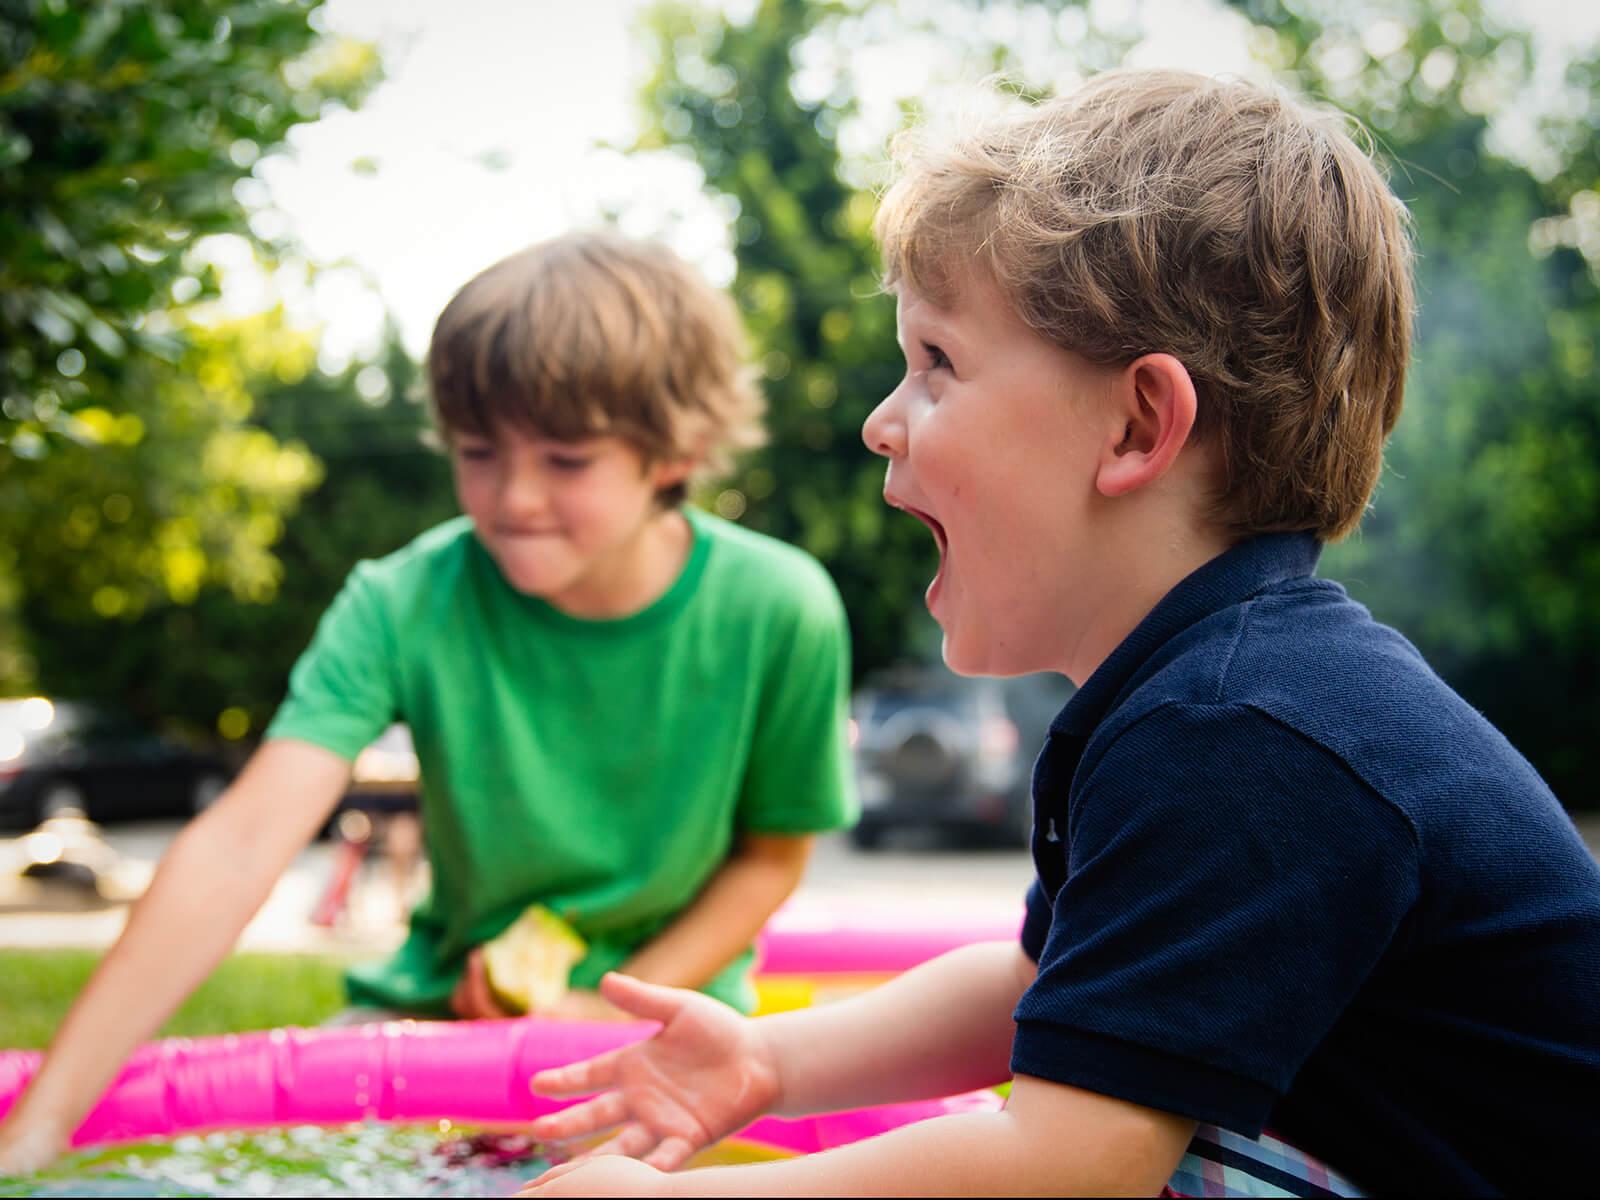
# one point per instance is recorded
(727, 914)
(1050, 1140)
(942, 1027)
(212, 879)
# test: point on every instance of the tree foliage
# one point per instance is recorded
(808, 290)
(135, 476)
(125, 129)
(205, 640)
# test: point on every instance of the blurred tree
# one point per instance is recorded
(808, 290)
(1483, 546)
(134, 487)
(125, 131)
(213, 654)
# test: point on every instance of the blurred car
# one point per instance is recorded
(937, 750)
(384, 777)
(64, 758)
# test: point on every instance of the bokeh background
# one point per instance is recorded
(226, 226)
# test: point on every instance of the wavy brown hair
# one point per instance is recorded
(1246, 234)
(593, 333)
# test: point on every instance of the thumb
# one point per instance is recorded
(652, 1001)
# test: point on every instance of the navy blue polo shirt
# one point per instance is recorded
(1288, 879)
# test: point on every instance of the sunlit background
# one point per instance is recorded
(225, 245)
(502, 122)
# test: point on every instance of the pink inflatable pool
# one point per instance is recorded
(404, 1071)
(808, 937)
(478, 1071)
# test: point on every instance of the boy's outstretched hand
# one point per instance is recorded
(707, 1073)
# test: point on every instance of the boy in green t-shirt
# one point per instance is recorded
(625, 709)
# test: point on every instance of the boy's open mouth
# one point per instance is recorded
(940, 540)
(938, 529)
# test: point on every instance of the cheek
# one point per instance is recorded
(474, 490)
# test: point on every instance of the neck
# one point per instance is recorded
(1137, 583)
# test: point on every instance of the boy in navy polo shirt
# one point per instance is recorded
(1156, 334)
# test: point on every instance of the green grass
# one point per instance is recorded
(248, 991)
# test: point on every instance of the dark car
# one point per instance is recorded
(61, 757)
(385, 776)
(938, 750)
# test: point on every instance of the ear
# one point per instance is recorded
(1157, 402)
(671, 472)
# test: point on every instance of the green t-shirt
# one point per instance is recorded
(600, 767)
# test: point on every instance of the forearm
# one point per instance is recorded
(972, 1154)
(214, 876)
(938, 1029)
(162, 954)
(969, 1154)
(725, 917)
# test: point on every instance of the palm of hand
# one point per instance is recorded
(697, 1080)
(705, 1074)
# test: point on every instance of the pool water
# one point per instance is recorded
(367, 1159)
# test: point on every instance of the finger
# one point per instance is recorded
(649, 1000)
(579, 1078)
(671, 1154)
(535, 1185)
(464, 1000)
(459, 1001)
(483, 1004)
(603, 1112)
(630, 1141)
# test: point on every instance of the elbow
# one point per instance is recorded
(783, 857)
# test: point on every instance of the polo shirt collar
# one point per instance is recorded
(1242, 571)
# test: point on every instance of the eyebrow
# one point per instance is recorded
(935, 329)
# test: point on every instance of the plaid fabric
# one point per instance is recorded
(1220, 1163)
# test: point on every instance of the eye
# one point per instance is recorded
(937, 359)
(475, 452)
(570, 463)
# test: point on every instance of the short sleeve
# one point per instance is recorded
(1036, 921)
(1231, 885)
(798, 778)
(342, 690)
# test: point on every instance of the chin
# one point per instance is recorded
(963, 662)
(983, 660)
(530, 583)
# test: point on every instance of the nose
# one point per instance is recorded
(884, 430)
(522, 495)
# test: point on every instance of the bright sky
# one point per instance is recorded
(484, 137)
(487, 135)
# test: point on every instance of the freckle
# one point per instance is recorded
(957, 495)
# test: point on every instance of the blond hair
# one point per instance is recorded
(1160, 211)
(592, 333)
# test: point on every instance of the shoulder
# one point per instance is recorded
(425, 561)
(1209, 767)
(1304, 654)
(1307, 664)
(766, 573)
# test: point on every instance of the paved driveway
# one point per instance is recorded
(909, 878)
(900, 879)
